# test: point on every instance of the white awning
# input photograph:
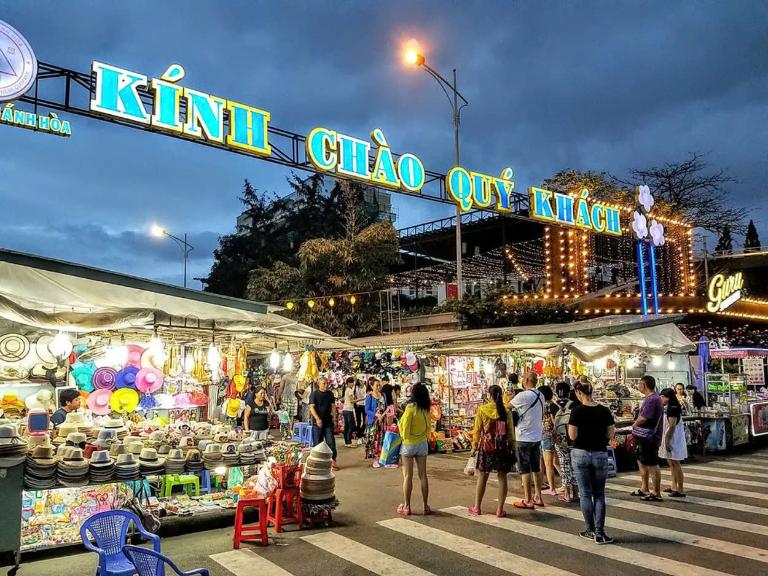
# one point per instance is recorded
(654, 340)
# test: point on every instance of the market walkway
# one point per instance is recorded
(720, 529)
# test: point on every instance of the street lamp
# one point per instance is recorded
(413, 57)
(186, 247)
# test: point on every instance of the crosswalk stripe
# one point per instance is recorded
(477, 551)
(364, 556)
(729, 470)
(722, 490)
(740, 466)
(751, 460)
(700, 501)
(247, 563)
(618, 553)
(720, 479)
(722, 546)
(689, 516)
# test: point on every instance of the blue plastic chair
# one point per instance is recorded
(109, 530)
(150, 563)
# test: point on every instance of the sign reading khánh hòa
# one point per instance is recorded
(575, 211)
(32, 121)
(724, 291)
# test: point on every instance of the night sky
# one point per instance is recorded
(592, 85)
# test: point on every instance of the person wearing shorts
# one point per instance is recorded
(529, 406)
(647, 432)
(415, 425)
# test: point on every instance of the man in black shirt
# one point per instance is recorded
(322, 407)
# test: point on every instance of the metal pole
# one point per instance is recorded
(186, 255)
(456, 118)
(706, 264)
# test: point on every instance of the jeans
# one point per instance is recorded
(349, 426)
(324, 433)
(360, 418)
(591, 469)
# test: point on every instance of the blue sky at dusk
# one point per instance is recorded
(591, 85)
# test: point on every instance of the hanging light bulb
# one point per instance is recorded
(61, 345)
(213, 360)
(352, 299)
(671, 364)
(289, 305)
(287, 362)
(156, 343)
(331, 302)
(311, 303)
(274, 359)
(189, 363)
(631, 363)
(656, 361)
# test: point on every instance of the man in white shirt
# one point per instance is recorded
(529, 405)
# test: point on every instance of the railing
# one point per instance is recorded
(449, 222)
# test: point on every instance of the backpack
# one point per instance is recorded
(495, 438)
(561, 420)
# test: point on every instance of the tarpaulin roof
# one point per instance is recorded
(55, 295)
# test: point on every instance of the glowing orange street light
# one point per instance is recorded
(412, 55)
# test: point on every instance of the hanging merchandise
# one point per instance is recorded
(81, 375)
(308, 369)
(124, 400)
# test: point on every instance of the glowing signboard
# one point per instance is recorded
(575, 211)
(22, 119)
(475, 190)
(724, 291)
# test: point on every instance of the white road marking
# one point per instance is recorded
(741, 550)
(717, 480)
(364, 556)
(753, 459)
(717, 487)
(688, 516)
(475, 550)
(246, 562)
(616, 552)
(699, 501)
(739, 465)
(722, 469)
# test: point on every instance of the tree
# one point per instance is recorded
(752, 240)
(691, 188)
(725, 243)
(601, 185)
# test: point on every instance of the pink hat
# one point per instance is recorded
(98, 402)
(134, 355)
(149, 380)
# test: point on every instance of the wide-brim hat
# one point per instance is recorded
(233, 407)
(153, 358)
(43, 455)
(98, 401)
(101, 458)
(126, 378)
(124, 400)
(9, 435)
(133, 359)
(104, 378)
(127, 460)
(149, 380)
(13, 347)
(42, 400)
(113, 424)
(81, 376)
(44, 353)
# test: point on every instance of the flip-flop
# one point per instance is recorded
(539, 503)
(474, 511)
(524, 505)
(427, 510)
(638, 493)
(652, 498)
(562, 498)
(501, 514)
(677, 494)
(403, 510)
(668, 490)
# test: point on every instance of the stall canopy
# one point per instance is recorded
(54, 295)
(587, 339)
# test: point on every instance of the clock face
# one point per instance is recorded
(18, 65)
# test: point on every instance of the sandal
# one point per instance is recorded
(638, 493)
(403, 510)
(501, 514)
(427, 510)
(474, 511)
(562, 498)
(524, 505)
(652, 498)
(539, 503)
(677, 494)
(668, 490)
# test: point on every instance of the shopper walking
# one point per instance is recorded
(673, 446)
(414, 426)
(359, 393)
(566, 401)
(322, 406)
(374, 413)
(647, 432)
(591, 427)
(529, 432)
(493, 438)
(257, 414)
(551, 408)
(348, 411)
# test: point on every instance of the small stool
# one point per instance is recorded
(187, 481)
(302, 433)
(250, 532)
(284, 508)
(205, 481)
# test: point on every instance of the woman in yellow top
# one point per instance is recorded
(414, 427)
(493, 440)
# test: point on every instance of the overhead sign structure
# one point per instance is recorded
(31, 121)
(724, 291)
(18, 65)
(575, 211)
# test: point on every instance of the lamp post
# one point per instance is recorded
(185, 246)
(414, 57)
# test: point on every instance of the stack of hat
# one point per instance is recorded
(11, 406)
(247, 452)
(318, 482)
(194, 461)
(64, 430)
(118, 426)
(134, 446)
(127, 467)
(106, 438)
(175, 462)
(77, 419)
(37, 440)
(102, 467)
(150, 463)
(40, 468)
(12, 448)
(116, 449)
(229, 454)
(72, 471)
(212, 456)
(260, 451)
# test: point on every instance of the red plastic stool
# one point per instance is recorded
(284, 508)
(249, 532)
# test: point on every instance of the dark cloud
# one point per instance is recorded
(552, 85)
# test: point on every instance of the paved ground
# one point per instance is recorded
(720, 529)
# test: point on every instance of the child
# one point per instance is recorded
(285, 424)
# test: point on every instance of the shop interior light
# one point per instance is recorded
(274, 359)
(656, 361)
(671, 364)
(61, 345)
(601, 363)
(189, 363)
(631, 363)
(220, 470)
(287, 362)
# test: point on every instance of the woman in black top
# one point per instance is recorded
(257, 415)
(590, 428)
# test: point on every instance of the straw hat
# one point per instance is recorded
(13, 347)
(124, 400)
(64, 430)
(233, 407)
(101, 458)
(43, 400)
(77, 439)
(43, 455)
(98, 401)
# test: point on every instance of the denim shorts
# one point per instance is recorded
(411, 450)
(547, 444)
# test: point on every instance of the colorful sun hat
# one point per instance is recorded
(154, 358)
(13, 347)
(98, 402)
(134, 355)
(149, 380)
(82, 376)
(233, 407)
(126, 378)
(124, 400)
(104, 378)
